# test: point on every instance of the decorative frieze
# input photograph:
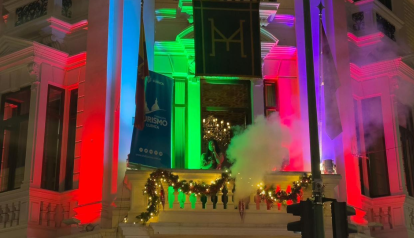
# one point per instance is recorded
(33, 69)
(31, 11)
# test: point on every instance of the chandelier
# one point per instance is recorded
(215, 130)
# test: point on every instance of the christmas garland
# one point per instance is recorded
(266, 193)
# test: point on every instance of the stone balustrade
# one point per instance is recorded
(36, 209)
(385, 215)
(218, 208)
(13, 208)
(49, 209)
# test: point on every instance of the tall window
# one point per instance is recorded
(361, 161)
(53, 139)
(70, 155)
(13, 129)
(271, 98)
(405, 116)
(374, 139)
(229, 101)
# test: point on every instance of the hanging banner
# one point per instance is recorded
(151, 146)
(227, 38)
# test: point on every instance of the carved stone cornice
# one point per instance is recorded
(394, 86)
(366, 40)
(185, 7)
(36, 54)
(387, 67)
(267, 11)
(34, 70)
(281, 52)
(67, 28)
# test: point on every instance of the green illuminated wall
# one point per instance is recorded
(194, 125)
(173, 58)
(187, 125)
(179, 126)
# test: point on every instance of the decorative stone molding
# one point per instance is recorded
(185, 7)
(34, 70)
(362, 73)
(34, 87)
(191, 66)
(394, 84)
(281, 52)
(53, 41)
(165, 13)
(67, 28)
(366, 40)
(267, 11)
(360, 2)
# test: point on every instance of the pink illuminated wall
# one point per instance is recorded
(280, 65)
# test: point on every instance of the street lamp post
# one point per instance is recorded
(313, 125)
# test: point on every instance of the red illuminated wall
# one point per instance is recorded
(280, 65)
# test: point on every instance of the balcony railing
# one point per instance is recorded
(37, 209)
(218, 211)
(386, 214)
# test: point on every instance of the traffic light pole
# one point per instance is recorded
(313, 125)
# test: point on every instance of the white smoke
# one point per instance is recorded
(262, 147)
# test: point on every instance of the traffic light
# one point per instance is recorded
(340, 212)
(304, 209)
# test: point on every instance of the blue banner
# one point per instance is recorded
(152, 145)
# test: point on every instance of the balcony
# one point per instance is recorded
(386, 215)
(222, 218)
(36, 210)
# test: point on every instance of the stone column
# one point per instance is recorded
(99, 150)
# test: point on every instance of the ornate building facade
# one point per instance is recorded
(67, 85)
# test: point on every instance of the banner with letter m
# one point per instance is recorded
(227, 38)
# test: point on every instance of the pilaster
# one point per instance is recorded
(257, 97)
(35, 135)
(397, 142)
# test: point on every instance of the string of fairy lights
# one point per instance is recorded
(156, 193)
